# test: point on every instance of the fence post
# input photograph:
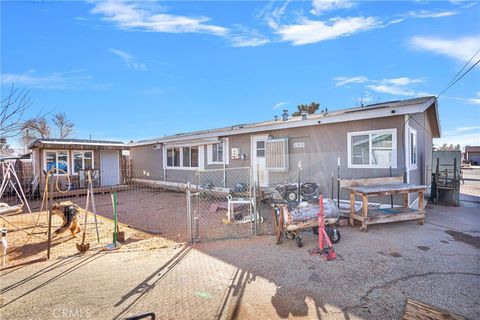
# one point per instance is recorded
(189, 214)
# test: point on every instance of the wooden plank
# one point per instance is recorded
(352, 207)
(416, 310)
(347, 183)
(365, 212)
(386, 189)
(388, 218)
(81, 192)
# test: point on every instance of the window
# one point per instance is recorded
(58, 160)
(217, 152)
(260, 149)
(372, 149)
(190, 157)
(82, 160)
(413, 148)
(185, 157)
(276, 154)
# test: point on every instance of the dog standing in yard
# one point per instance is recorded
(69, 214)
(3, 245)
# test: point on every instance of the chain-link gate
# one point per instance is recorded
(222, 204)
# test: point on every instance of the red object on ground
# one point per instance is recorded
(323, 238)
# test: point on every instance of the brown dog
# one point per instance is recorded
(69, 214)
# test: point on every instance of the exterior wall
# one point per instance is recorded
(473, 157)
(147, 162)
(38, 154)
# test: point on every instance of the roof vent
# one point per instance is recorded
(304, 115)
(285, 115)
(275, 118)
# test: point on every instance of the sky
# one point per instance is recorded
(125, 70)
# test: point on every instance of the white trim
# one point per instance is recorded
(342, 116)
(83, 160)
(392, 131)
(412, 166)
(210, 153)
(69, 144)
(226, 150)
(55, 150)
(181, 167)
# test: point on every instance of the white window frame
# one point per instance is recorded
(56, 151)
(181, 167)
(225, 145)
(392, 131)
(412, 165)
(83, 160)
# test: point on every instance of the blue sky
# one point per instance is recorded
(134, 70)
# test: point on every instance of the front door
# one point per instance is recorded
(109, 167)
(260, 173)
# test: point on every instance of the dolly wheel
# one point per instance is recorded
(299, 241)
(335, 236)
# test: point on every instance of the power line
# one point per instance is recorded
(464, 66)
(457, 77)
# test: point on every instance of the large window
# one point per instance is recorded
(184, 157)
(412, 133)
(217, 152)
(56, 159)
(372, 149)
(82, 160)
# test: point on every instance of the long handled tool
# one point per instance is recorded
(94, 208)
(115, 245)
(83, 247)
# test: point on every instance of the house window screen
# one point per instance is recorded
(372, 149)
(276, 154)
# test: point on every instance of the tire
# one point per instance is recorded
(299, 241)
(334, 235)
(315, 230)
(291, 196)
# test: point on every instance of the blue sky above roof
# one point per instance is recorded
(135, 70)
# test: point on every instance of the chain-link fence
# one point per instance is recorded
(224, 205)
(470, 181)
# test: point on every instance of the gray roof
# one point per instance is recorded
(387, 104)
(40, 142)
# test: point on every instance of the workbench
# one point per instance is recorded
(374, 216)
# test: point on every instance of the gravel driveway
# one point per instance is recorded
(437, 263)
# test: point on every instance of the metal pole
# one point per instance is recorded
(338, 183)
(189, 214)
(49, 230)
(391, 196)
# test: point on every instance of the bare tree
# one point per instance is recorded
(12, 110)
(64, 126)
(40, 128)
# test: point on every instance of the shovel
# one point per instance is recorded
(83, 247)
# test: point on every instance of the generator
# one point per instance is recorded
(446, 176)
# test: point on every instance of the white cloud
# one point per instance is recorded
(241, 36)
(310, 31)
(474, 100)
(321, 6)
(394, 86)
(55, 80)
(468, 135)
(391, 89)
(279, 105)
(341, 81)
(128, 60)
(460, 49)
(431, 14)
(127, 15)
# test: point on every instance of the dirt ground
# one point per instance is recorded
(27, 237)
(437, 263)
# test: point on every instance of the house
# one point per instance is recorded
(376, 140)
(472, 155)
(71, 157)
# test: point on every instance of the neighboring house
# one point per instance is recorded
(366, 142)
(73, 157)
(472, 155)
